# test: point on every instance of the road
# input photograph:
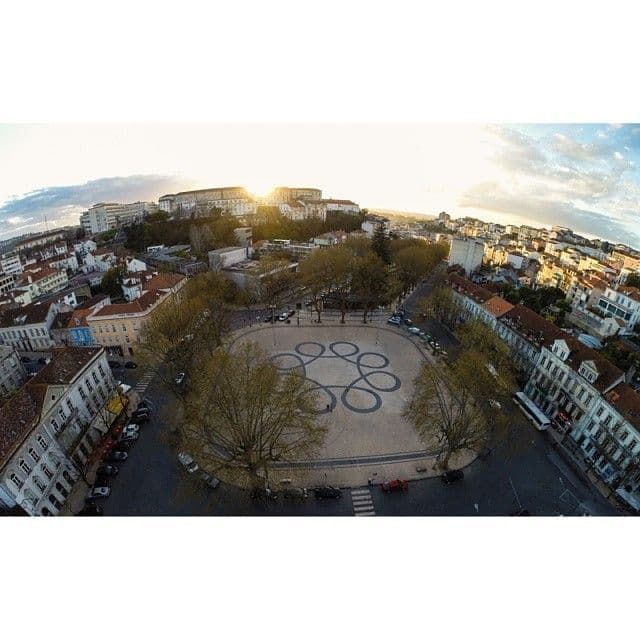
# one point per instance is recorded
(523, 471)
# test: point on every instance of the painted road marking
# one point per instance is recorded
(362, 502)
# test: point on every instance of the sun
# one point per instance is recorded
(260, 188)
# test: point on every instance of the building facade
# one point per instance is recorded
(467, 253)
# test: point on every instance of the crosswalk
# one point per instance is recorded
(362, 502)
(145, 379)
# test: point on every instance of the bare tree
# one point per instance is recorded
(444, 409)
(242, 415)
(316, 273)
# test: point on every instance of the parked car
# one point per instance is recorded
(44, 360)
(394, 320)
(25, 359)
(414, 330)
(294, 493)
(98, 492)
(107, 470)
(180, 378)
(324, 493)
(140, 418)
(283, 316)
(268, 318)
(209, 479)
(116, 456)
(291, 312)
(143, 405)
(121, 446)
(407, 321)
(188, 462)
(132, 427)
(452, 476)
(91, 509)
(129, 436)
(114, 364)
(495, 404)
(130, 365)
(395, 486)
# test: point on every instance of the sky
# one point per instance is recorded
(584, 176)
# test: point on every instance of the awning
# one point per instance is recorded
(116, 405)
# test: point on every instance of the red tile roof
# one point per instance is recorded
(468, 288)
(497, 306)
(630, 292)
(627, 402)
(608, 372)
(163, 281)
(139, 305)
(531, 326)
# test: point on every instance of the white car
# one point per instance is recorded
(98, 492)
(495, 404)
(131, 428)
(188, 462)
(414, 330)
(283, 316)
(394, 320)
(180, 378)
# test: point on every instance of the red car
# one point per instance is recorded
(395, 485)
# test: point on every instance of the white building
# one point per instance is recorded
(12, 371)
(28, 328)
(10, 263)
(622, 303)
(223, 258)
(105, 216)
(235, 201)
(65, 410)
(467, 253)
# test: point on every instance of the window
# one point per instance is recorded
(101, 370)
(83, 395)
(24, 466)
(54, 424)
(45, 511)
(588, 400)
(624, 435)
(42, 442)
(95, 377)
(16, 480)
(89, 385)
(34, 454)
(54, 501)
(70, 405)
(607, 420)
(47, 472)
(599, 411)
(39, 483)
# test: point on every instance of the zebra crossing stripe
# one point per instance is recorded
(365, 513)
(356, 492)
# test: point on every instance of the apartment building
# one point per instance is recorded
(467, 253)
(623, 304)
(64, 413)
(227, 256)
(12, 371)
(105, 216)
(28, 328)
(40, 279)
(297, 250)
(10, 263)
(119, 327)
(283, 195)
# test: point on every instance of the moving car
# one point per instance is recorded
(324, 493)
(116, 456)
(394, 320)
(98, 492)
(180, 378)
(188, 462)
(91, 510)
(130, 365)
(452, 476)
(395, 486)
(107, 470)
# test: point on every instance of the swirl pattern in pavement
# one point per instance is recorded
(370, 378)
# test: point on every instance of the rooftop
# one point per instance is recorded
(531, 326)
(468, 288)
(497, 306)
(139, 305)
(29, 314)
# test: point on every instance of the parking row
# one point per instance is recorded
(116, 451)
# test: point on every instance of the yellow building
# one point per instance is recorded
(118, 327)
